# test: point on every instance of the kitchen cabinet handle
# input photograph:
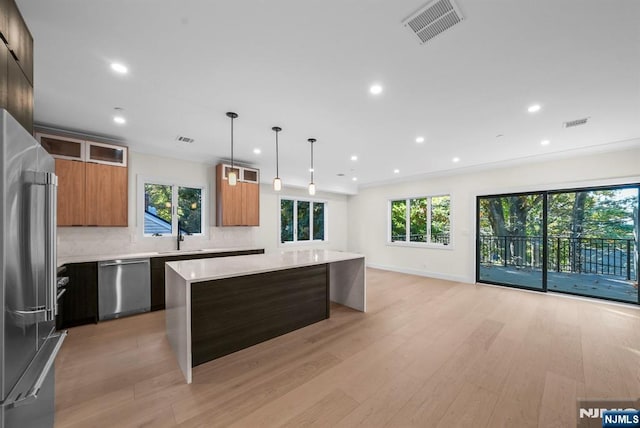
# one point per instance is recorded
(136, 262)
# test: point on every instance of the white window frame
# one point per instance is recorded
(174, 204)
(407, 242)
(309, 241)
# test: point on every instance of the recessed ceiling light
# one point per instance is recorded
(545, 142)
(119, 120)
(455, 160)
(119, 68)
(534, 108)
(354, 158)
(420, 140)
(355, 179)
(376, 89)
(396, 171)
(257, 151)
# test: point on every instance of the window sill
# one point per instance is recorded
(421, 245)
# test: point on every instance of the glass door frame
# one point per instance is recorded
(543, 287)
(545, 249)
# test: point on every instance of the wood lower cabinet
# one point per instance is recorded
(237, 205)
(71, 192)
(79, 304)
(157, 271)
(106, 195)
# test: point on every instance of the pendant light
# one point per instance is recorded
(312, 185)
(277, 183)
(232, 176)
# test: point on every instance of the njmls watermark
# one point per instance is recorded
(609, 413)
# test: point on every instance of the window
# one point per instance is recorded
(167, 206)
(423, 220)
(302, 220)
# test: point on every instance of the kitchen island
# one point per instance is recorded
(215, 307)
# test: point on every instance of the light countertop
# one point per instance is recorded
(219, 268)
(98, 258)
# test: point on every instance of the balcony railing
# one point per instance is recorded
(602, 256)
(419, 237)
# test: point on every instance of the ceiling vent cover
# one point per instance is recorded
(183, 139)
(433, 18)
(577, 122)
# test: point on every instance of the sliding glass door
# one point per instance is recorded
(592, 243)
(510, 240)
(579, 241)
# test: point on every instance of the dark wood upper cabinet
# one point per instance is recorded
(19, 95)
(16, 65)
(4, 78)
(19, 40)
(4, 20)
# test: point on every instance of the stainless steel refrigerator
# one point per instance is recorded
(28, 340)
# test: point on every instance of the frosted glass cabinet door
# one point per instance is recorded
(108, 154)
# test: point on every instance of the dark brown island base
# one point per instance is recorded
(215, 307)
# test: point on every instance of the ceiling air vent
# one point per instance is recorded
(183, 139)
(577, 122)
(433, 18)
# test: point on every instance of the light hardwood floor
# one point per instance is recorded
(428, 353)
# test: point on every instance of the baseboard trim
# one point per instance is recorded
(419, 272)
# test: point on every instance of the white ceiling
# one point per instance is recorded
(307, 66)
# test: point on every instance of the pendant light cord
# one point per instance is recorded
(277, 157)
(232, 143)
(312, 161)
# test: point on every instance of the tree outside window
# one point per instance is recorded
(421, 220)
(160, 216)
(302, 220)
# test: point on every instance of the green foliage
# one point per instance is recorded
(419, 219)
(398, 220)
(303, 221)
(286, 220)
(190, 209)
(158, 200)
(440, 216)
(318, 220)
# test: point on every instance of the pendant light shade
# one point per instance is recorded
(232, 176)
(312, 185)
(277, 183)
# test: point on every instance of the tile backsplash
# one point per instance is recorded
(104, 241)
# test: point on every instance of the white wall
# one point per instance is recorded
(99, 241)
(368, 216)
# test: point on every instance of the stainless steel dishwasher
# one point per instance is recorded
(123, 288)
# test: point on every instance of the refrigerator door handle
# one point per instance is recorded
(28, 387)
(50, 182)
(51, 186)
